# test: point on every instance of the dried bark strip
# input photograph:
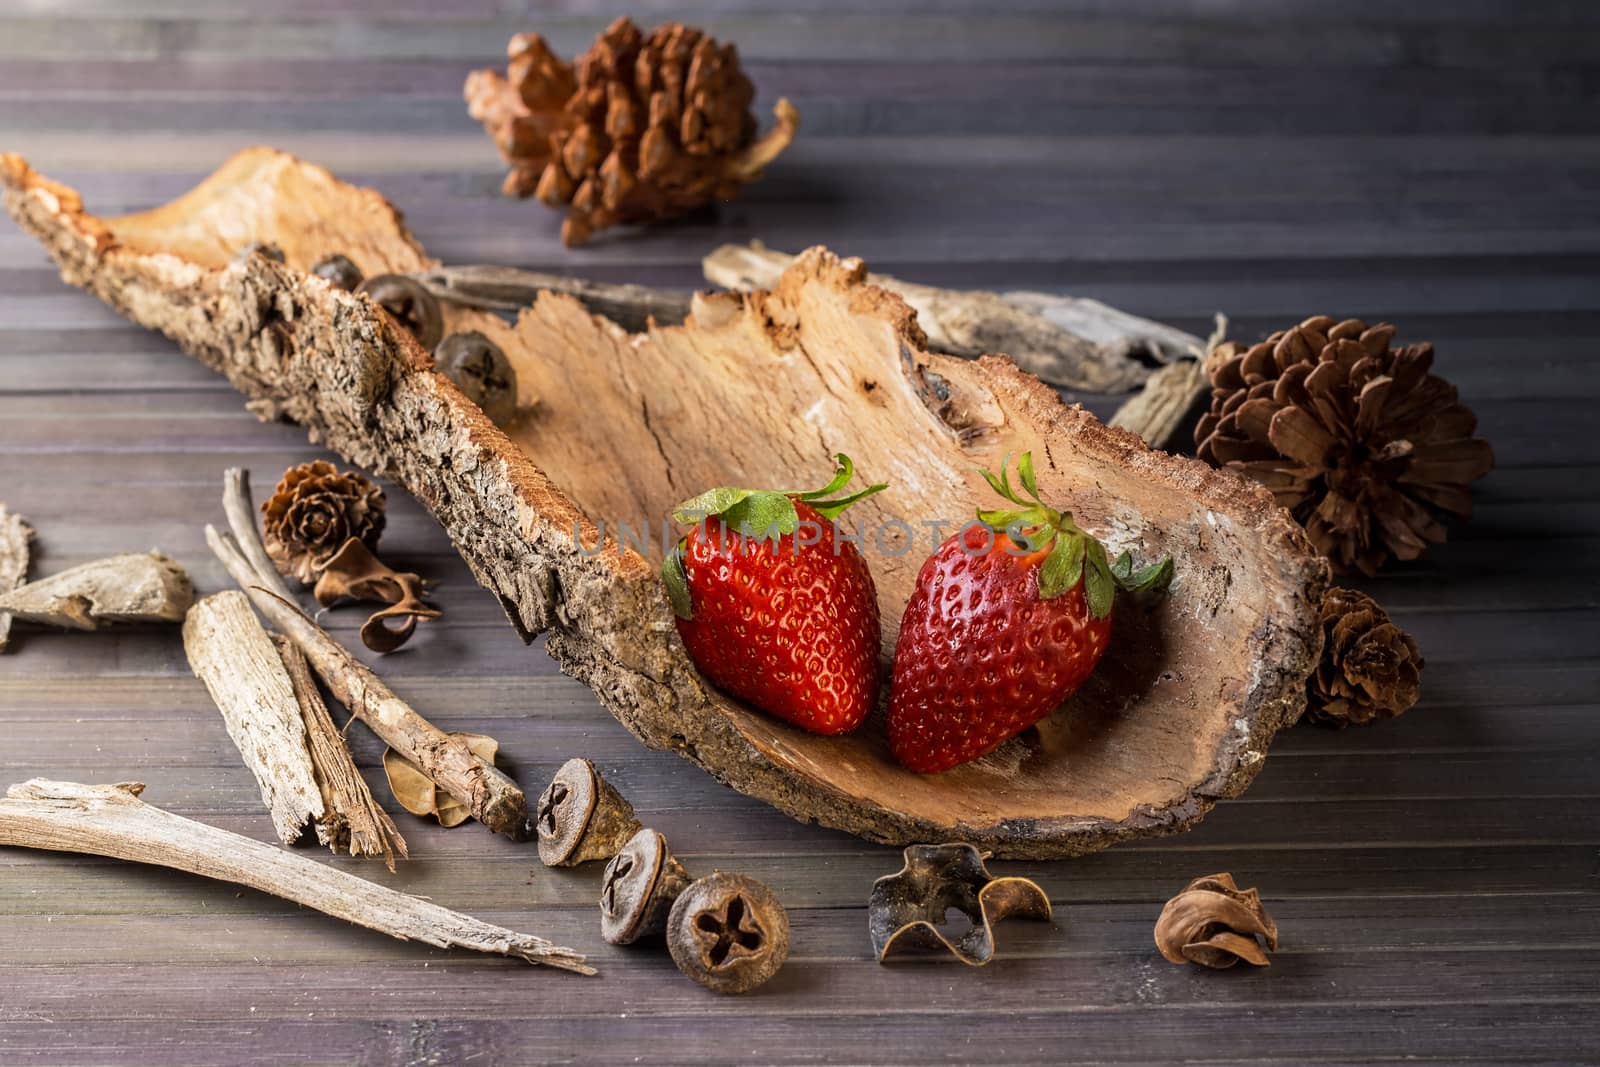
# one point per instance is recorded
(1159, 412)
(491, 288)
(14, 537)
(111, 820)
(354, 819)
(1072, 342)
(231, 653)
(494, 799)
(134, 587)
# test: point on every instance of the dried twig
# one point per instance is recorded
(507, 289)
(355, 820)
(1162, 410)
(495, 800)
(14, 537)
(1068, 341)
(230, 652)
(111, 820)
(135, 587)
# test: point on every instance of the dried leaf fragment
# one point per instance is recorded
(355, 573)
(418, 794)
(1215, 923)
(1370, 669)
(907, 910)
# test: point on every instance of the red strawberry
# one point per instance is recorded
(1008, 619)
(774, 607)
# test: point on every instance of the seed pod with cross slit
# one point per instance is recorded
(581, 817)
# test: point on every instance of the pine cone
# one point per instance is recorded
(1370, 668)
(313, 512)
(645, 128)
(1357, 439)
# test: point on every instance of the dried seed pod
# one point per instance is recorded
(314, 512)
(481, 370)
(411, 305)
(581, 817)
(1370, 669)
(728, 932)
(639, 887)
(338, 271)
(1215, 923)
(907, 909)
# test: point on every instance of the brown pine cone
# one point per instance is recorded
(313, 512)
(1357, 439)
(642, 128)
(1370, 668)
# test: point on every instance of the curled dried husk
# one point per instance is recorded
(355, 573)
(1216, 924)
(906, 910)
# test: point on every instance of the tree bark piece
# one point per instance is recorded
(111, 820)
(1178, 714)
(494, 799)
(231, 653)
(134, 587)
(1159, 412)
(14, 537)
(1068, 341)
(355, 821)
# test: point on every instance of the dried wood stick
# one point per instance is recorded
(134, 587)
(1160, 411)
(231, 653)
(111, 820)
(508, 289)
(356, 821)
(1072, 342)
(14, 537)
(494, 799)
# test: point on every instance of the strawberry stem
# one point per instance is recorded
(1076, 555)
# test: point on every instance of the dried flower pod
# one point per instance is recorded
(410, 303)
(313, 512)
(338, 271)
(1215, 923)
(481, 370)
(640, 128)
(728, 932)
(1355, 438)
(417, 793)
(581, 817)
(638, 889)
(1370, 668)
(907, 909)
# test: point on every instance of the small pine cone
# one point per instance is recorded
(640, 128)
(1370, 668)
(1355, 438)
(313, 512)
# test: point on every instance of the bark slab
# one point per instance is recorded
(1178, 715)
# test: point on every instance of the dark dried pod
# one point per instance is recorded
(338, 271)
(1370, 668)
(1215, 923)
(638, 889)
(906, 910)
(581, 817)
(262, 249)
(481, 370)
(411, 305)
(728, 932)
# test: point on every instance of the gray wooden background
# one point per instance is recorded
(1434, 164)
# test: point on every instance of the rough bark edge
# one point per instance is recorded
(370, 398)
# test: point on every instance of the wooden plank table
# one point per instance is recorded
(1434, 878)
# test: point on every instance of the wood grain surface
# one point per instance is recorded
(1435, 879)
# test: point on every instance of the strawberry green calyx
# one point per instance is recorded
(1074, 554)
(766, 514)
